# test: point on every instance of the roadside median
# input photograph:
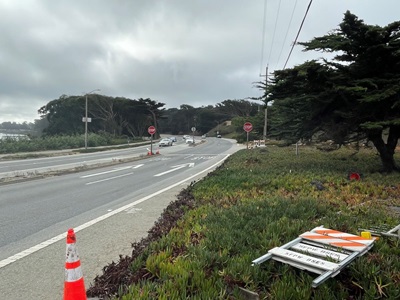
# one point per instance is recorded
(30, 174)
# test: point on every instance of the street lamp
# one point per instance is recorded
(86, 116)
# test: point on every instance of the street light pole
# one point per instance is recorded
(86, 108)
(86, 116)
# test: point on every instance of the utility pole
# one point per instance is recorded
(266, 105)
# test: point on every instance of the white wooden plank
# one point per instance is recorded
(321, 252)
(303, 259)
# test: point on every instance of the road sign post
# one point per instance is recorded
(247, 127)
(151, 130)
(193, 130)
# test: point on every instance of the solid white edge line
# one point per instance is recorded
(59, 237)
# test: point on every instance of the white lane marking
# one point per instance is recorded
(111, 171)
(109, 178)
(174, 168)
(169, 171)
(59, 237)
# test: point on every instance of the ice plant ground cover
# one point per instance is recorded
(203, 244)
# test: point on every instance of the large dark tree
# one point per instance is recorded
(154, 109)
(113, 115)
(64, 115)
(355, 95)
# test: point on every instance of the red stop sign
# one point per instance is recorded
(248, 127)
(151, 130)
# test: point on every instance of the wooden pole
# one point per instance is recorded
(266, 105)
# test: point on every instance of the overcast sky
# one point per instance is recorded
(195, 52)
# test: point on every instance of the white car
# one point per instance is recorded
(164, 142)
(190, 140)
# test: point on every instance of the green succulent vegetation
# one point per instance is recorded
(262, 198)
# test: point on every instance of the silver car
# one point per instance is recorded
(164, 142)
(190, 140)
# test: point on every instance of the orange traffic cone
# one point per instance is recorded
(74, 287)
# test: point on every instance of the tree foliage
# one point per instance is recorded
(117, 116)
(122, 116)
(355, 95)
(239, 108)
(204, 119)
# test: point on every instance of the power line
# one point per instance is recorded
(298, 33)
(263, 36)
(273, 35)
(287, 31)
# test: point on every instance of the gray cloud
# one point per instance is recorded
(196, 52)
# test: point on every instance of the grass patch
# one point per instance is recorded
(260, 199)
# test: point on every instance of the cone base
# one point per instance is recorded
(75, 290)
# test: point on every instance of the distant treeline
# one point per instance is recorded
(16, 126)
(132, 117)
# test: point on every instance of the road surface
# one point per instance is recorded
(109, 208)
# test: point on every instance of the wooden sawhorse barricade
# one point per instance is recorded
(323, 251)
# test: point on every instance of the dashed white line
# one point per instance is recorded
(111, 171)
(109, 178)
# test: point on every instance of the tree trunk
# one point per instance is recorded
(386, 151)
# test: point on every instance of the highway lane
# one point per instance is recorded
(37, 210)
(68, 159)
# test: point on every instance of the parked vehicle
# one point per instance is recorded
(185, 137)
(165, 142)
(219, 136)
(173, 138)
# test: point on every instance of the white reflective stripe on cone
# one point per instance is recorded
(72, 254)
(73, 274)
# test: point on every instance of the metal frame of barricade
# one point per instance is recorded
(323, 251)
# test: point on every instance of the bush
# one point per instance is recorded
(60, 142)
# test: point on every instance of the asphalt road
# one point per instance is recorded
(109, 208)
